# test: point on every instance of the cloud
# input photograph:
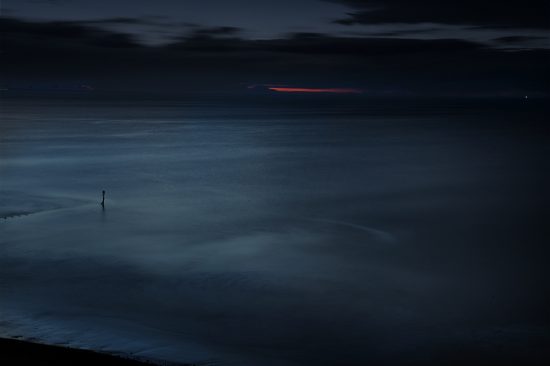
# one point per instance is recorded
(218, 59)
(315, 43)
(48, 1)
(146, 20)
(518, 39)
(16, 32)
(528, 14)
(397, 32)
(218, 31)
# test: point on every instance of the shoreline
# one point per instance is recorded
(24, 352)
(12, 215)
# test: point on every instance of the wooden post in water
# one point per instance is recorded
(103, 199)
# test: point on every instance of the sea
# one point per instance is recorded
(327, 230)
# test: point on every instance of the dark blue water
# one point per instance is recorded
(287, 232)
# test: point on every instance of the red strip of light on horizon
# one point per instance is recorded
(315, 90)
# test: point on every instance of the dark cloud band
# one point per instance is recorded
(215, 59)
(527, 14)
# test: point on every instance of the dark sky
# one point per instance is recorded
(462, 47)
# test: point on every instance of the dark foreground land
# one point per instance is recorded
(16, 352)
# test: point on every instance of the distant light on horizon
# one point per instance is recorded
(316, 90)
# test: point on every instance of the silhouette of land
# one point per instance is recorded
(18, 352)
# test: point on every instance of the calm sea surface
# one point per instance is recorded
(288, 232)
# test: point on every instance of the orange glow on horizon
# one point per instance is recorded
(315, 90)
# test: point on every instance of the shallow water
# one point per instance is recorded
(276, 233)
